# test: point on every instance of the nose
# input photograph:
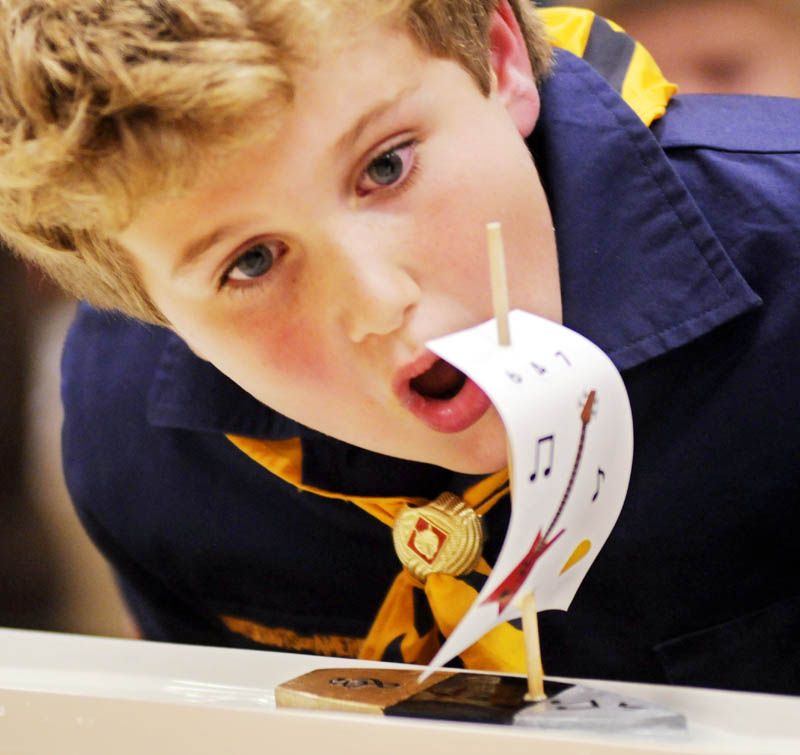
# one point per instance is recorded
(377, 296)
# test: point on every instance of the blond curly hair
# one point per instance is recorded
(104, 103)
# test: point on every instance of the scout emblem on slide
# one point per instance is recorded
(444, 536)
(570, 441)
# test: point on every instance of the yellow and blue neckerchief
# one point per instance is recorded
(414, 616)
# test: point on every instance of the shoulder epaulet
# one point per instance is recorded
(732, 123)
(621, 60)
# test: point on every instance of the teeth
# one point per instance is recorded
(441, 381)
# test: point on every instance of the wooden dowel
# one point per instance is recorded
(499, 283)
(509, 459)
(533, 652)
(530, 622)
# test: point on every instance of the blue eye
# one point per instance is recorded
(256, 261)
(388, 169)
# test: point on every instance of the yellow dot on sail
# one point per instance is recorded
(580, 551)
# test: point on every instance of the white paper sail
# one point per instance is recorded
(570, 436)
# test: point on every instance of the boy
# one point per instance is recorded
(296, 194)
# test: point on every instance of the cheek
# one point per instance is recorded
(298, 352)
(481, 184)
(290, 350)
(266, 356)
(501, 187)
(452, 232)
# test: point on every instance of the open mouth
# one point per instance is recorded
(440, 395)
(441, 381)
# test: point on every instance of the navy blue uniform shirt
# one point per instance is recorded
(679, 251)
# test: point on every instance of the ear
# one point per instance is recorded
(514, 82)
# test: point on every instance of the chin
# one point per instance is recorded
(482, 455)
(478, 466)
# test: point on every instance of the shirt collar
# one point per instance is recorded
(641, 270)
(189, 393)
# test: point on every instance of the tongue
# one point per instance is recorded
(441, 381)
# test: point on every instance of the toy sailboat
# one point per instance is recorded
(570, 446)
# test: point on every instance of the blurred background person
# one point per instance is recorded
(716, 46)
(51, 576)
(28, 582)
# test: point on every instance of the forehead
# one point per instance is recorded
(371, 66)
(349, 82)
(340, 103)
(167, 165)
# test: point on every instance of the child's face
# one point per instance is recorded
(312, 268)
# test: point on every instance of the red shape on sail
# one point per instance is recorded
(508, 588)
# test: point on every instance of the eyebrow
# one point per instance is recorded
(196, 248)
(352, 135)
